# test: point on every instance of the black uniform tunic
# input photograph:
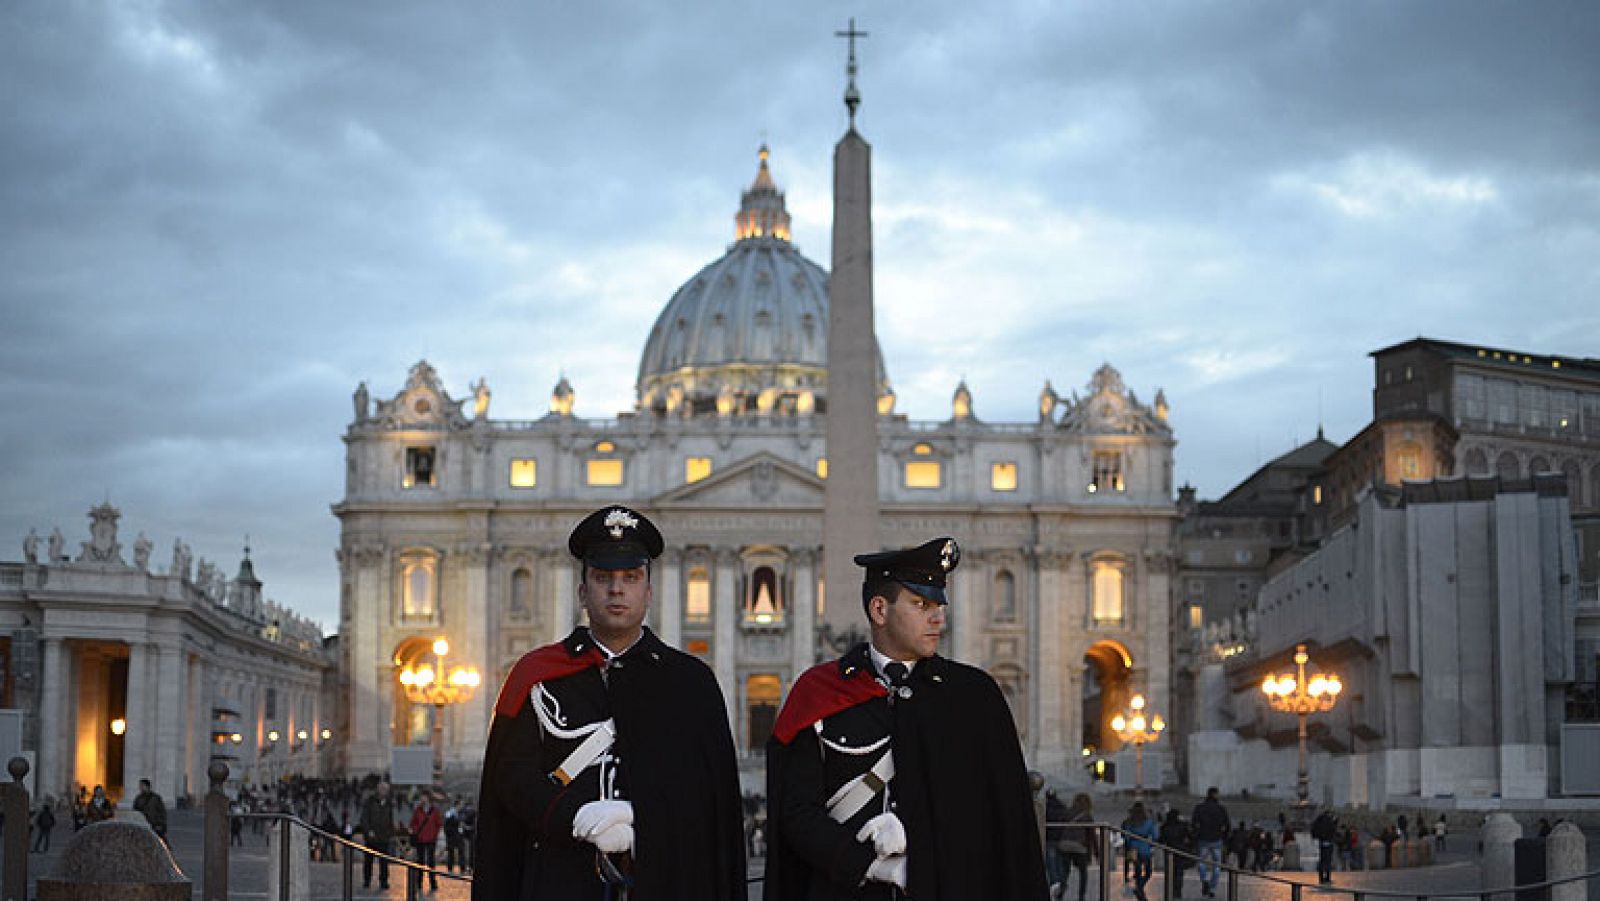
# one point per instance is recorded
(673, 760)
(960, 789)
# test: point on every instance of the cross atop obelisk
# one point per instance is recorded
(852, 97)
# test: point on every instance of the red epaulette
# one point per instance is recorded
(820, 692)
(541, 665)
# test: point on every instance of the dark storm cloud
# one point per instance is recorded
(217, 218)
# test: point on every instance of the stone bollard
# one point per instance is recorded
(1424, 853)
(14, 807)
(299, 852)
(1402, 853)
(1374, 855)
(1500, 834)
(115, 859)
(1565, 856)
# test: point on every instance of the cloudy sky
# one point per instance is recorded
(219, 217)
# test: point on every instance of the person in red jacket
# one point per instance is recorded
(426, 821)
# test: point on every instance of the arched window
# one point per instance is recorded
(697, 596)
(1108, 592)
(764, 604)
(418, 587)
(1005, 597)
(521, 594)
(1539, 465)
(1477, 462)
(1506, 466)
(762, 694)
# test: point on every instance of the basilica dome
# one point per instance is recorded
(749, 332)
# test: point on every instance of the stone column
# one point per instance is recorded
(171, 717)
(564, 596)
(1500, 833)
(54, 715)
(198, 701)
(669, 597)
(1565, 857)
(968, 612)
(1050, 753)
(802, 614)
(141, 719)
(725, 609)
(366, 746)
(476, 631)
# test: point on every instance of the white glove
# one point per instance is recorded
(887, 834)
(891, 870)
(596, 817)
(614, 839)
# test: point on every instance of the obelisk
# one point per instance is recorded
(850, 506)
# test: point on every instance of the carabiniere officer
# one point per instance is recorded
(893, 772)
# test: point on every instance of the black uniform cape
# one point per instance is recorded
(960, 788)
(678, 759)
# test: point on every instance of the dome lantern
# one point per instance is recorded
(762, 213)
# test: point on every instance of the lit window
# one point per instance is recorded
(764, 605)
(822, 598)
(696, 468)
(922, 450)
(1316, 494)
(416, 587)
(605, 472)
(697, 600)
(822, 467)
(1197, 616)
(1003, 476)
(524, 473)
(1410, 464)
(922, 474)
(1107, 593)
(604, 447)
(698, 646)
(419, 467)
(1107, 472)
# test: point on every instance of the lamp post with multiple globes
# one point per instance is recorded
(439, 686)
(1293, 693)
(1136, 729)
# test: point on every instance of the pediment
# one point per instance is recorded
(422, 404)
(762, 478)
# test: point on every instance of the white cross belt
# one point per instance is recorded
(588, 751)
(858, 792)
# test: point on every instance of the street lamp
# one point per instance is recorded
(439, 686)
(1133, 728)
(1292, 693)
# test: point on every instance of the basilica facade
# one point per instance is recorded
(454, 523)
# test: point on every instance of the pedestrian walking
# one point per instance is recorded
(1211, 826)
(426, 823)
(377, 833)
(154, 809)
(44, 822)
(1141, 832)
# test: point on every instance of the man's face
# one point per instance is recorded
(908, 629)
(616, 600)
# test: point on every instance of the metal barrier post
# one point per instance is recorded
(284, 878)
(16, 842)
(1233, 885)
(1294, 892)
(214, 869)
(1105, 863)
(1168, 867)
(349, 873)
(413, 883)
